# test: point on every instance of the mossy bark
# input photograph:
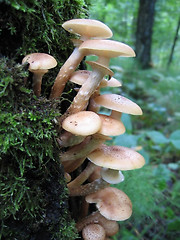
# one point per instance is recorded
(33, 193)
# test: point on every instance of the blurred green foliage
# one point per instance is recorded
(121, 17)
(155, 188)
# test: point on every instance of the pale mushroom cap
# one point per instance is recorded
(112, 176)
(106, 48)
(88, 28)
(93, 232)
(116, 157)
(118, 103)
(83, 123)
(110, 126)
(79, 77)
(112, 203)
(100, 67)
(39, 61)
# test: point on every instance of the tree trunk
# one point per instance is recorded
(144, 32)
(33, 193)
(174, 43)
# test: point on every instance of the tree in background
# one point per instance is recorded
(144, 31)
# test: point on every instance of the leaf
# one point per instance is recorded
(175, 139)
(157, 137)
(126, 140)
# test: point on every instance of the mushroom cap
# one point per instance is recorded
(93, 232)
(111, 227)
(110, 126)
(116, 157)
(106, 48)
(118, 103)
(112, 176)
(79, 77)
(100, 67)
(83, 123)
(88, 28)
(112, 203)
(39, 61)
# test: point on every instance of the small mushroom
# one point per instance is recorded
(110, 126)
(85, 28)
(83, 123)
(105, 50)
(116, 157)
(111, 227)
(118, 103)
(93, 232)
(112, 203)
(39, 63)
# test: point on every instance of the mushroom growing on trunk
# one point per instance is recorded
(86, 29)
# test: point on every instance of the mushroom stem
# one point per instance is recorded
(116, 115)
(111, 227)
(84, 175)
(37, 81)
(68, 139)
(81, 150)
(65, 72)
(81, 99)
(70, 166)
(89, 188)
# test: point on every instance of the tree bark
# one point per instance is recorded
(33, 192)
(144, 32)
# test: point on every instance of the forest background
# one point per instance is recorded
(155, 86)
(154, 189)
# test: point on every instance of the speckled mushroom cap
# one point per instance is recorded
(112, 203)
(39, 61)
(83, 123)
(88, 28)
(93, 232)
(118, 103)
(110, 126)
(116, 157)
(79, 77)
(106, 48)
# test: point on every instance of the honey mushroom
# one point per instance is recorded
(85, 29)
(111, 227)
(93, 232)
(39, 63)
(112, 203)
(114, 158)
(105, 50)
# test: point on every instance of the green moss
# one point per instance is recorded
(33, 192)
(35, 26)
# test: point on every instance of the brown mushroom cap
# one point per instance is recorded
(110, 126)
(83, 123)
(39, 61)
(106, 48)
(112, 203)
(88, 28)
(118, 103)
(93, 232)
(116, 157)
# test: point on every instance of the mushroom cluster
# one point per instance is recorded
(83, 131)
